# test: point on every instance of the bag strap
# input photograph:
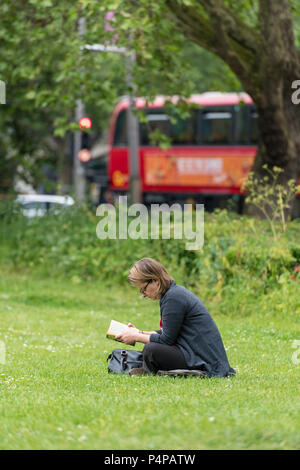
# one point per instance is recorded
(124, 359)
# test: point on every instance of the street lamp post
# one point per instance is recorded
(133, 135)
(78, 172)
(132, 118)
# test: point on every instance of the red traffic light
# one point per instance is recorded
(84, 155)
(85, 123)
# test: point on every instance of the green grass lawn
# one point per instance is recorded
(56, 392)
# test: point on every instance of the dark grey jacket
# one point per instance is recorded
(187, 323)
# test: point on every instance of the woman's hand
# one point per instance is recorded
(131, 325)
(127, 337)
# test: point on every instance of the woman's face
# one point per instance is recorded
(150, 289)
(147, 288)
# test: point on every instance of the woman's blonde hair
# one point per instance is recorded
(148, 268)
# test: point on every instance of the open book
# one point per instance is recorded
(115, 328)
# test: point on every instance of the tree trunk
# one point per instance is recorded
(266, 61)
(279, 128)
(278, 117)
(279, 141)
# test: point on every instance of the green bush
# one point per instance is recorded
(239, 254)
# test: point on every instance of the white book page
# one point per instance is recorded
(117, 327)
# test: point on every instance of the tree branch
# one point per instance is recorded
(219, 30)
(232, 26)
(194, 25)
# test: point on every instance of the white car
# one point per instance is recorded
(37, 205)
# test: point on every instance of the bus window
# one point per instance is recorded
(241, 124)
(120, 137)
(253, 125)
(183, 130)
(157, 119)
(216, 125)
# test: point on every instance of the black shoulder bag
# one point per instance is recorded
(123, 360)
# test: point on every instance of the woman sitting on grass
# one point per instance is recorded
(188, 340)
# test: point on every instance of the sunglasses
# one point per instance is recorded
(142, 291)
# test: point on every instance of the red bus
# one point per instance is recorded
(211, 152)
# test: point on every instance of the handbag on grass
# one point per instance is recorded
(123, 360)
